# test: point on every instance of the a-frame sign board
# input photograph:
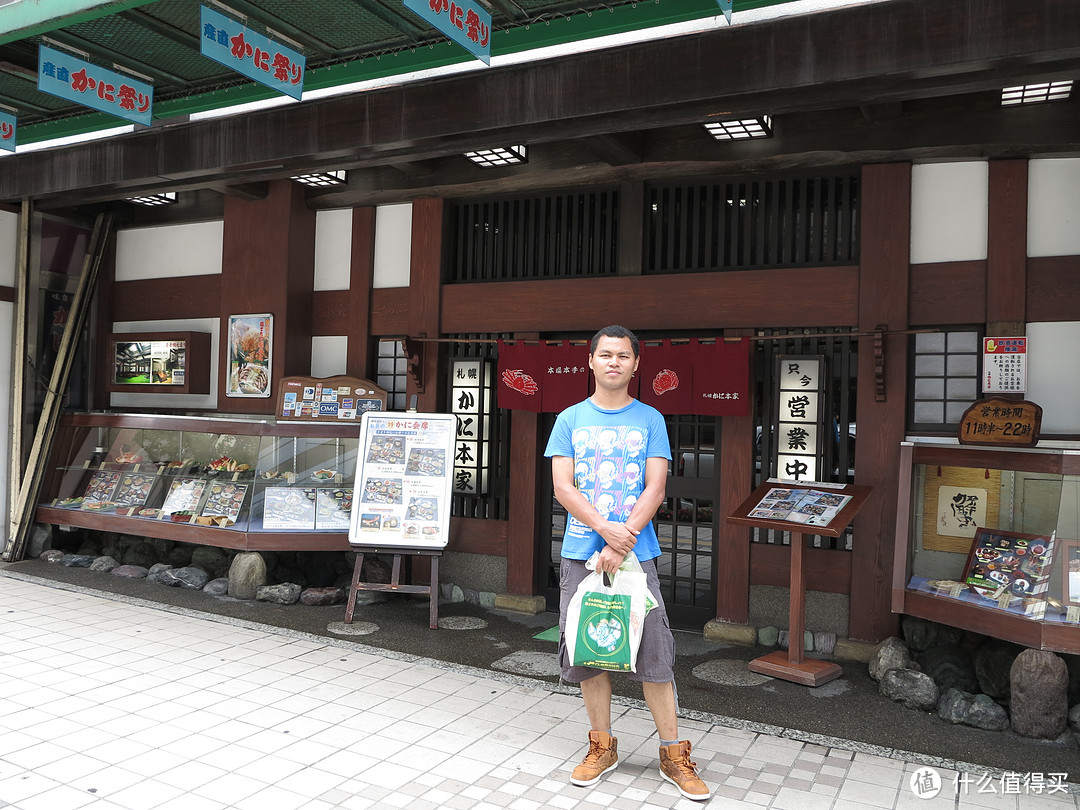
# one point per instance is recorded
(800, 508)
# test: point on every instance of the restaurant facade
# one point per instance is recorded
(893, 216)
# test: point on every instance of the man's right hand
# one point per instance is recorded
(619, 536)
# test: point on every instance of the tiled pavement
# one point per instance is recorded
(109, 702)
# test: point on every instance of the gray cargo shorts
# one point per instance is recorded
(656, 654)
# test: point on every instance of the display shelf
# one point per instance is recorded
(235, 483)
(981, 541)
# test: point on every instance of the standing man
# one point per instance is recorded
(598, 449)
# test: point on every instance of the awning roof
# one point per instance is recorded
(344, 41)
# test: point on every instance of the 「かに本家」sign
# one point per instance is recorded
(67, 76)
(251, 54)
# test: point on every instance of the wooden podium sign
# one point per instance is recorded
(337, 400)
(807, 507)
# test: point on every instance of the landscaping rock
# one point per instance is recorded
(916, 690)
(950, 667)
(217, 587)
(104, 564)
(977, 711)
(157, 572)
(140, 553)
(77, 560)
(214, 561)
(1038, 697)
(892, 654)
(53, 555)
(323, 596)
(246, 575)
(189, 577)
(286, 593)
(993, 661)
(768, 636)
(130, 571)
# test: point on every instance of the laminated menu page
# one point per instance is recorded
(808, 506)
(333, 507)
(289, 508)
(403, 480)
(182, 500)
(225, 500)
(99, 492)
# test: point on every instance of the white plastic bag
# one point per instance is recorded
(604, 621)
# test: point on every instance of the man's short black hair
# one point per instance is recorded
(614, 331)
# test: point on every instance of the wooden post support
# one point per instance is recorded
(394, 585)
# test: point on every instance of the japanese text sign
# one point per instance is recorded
(66, 76)
(1004, 365)
(472, 395)
(799, 426)
(465, 22)
(7, 131)
(250, 53)
(997, 421)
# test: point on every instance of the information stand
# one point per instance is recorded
(808, 507)
(401, 505)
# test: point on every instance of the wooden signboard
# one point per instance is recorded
(336, 400)
(809, 507)
(1001, 423)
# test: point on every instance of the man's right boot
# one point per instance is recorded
(603, 756)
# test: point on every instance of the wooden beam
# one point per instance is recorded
(1006, 248)
(361, 352)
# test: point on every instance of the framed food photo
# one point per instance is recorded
(1070, 572)
(1010, 569)
(250, 347)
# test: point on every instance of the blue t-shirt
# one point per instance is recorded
(609, 449)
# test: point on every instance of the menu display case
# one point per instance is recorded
(986, 540)
(235, 483)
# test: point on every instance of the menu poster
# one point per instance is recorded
(809, 506)
(134, 489)
(289, 508)
(99, 492)
(183, 497)
(333, 508)
(404, 478)
(225, 499)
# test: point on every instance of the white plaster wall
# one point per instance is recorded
(1054, 374)
(393, 245)
(949, 210)
(134, 402)
(328, 355)
(168, 251)
(9, 250)
(1054, 207)
(333, 249)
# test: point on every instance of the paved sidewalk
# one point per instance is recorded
(113, 702)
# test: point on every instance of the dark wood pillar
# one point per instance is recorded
(268, 265)
(733, 542)
(522, 562)
(1006, 248)
(359, 361)
(425, 297)
(882, 391)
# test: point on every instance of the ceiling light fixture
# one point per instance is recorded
(741, 129)
(335, 177)
(162, 198)
(1038, 93)
(499, 156)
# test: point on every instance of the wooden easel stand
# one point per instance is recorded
(394, 585)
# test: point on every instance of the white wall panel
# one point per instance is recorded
(329, 354)
(393, 245)
(168, 251)
(1054, 207)
(949, 207)
(1054, 374)
(333, 249)
(9, 249)
(133, 402)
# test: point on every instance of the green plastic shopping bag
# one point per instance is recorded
(604, 619)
